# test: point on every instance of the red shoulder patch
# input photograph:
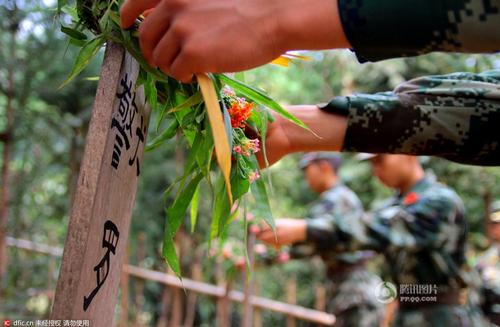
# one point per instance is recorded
(411, 198)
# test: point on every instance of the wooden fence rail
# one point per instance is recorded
(257, 302)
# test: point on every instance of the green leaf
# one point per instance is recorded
(239, 184)
(190, 102)
(221, 211)
(175, 215)
(194, 208)
(60, 4)
(168, 250)
(259, 97)
(73, 33)
(151, 92)
(86, 54)
(262, 207)
(168, 133)
(227, 125)
(69, 10)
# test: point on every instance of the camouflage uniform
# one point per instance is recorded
(382, 29)
(488, 266)
(352, 285)
(454, 116)
(422, 236)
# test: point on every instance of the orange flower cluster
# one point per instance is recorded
(240, 110)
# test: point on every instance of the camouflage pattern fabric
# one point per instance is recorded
(422, 235)
(454, 116)
(488, 265)
(351, 285)
(382, 29)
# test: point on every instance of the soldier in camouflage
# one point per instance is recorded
(352, 298)
(454, 116)
(488, 266)
(450, 116)
(422, 233)
(350, 284)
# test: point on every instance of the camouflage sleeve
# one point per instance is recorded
(383, 29)
(341, 202)
(317, 237)
(454, 116)
(433, 222)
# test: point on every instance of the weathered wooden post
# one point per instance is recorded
(100, 216)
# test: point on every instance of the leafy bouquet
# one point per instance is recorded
(216, 114)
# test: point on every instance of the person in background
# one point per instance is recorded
(351, 285)
(421, 232)
(488, 266)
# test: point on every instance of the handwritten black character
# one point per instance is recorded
(109, 242)
(123, 123)
(139, 132)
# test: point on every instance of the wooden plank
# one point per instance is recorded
(100, 217)
(258, 303)
(237, 296)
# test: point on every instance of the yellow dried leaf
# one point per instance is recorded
(222, 150)
(297, 56)
(281, 61)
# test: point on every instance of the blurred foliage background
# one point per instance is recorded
(46, 143)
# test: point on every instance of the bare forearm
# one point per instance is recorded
(311, 25)
(329, 129)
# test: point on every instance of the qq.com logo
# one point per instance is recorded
(386, 292)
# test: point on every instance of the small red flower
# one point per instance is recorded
(411, 198)
(239, 112)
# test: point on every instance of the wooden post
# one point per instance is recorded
(139, 284)
(13, 21)
(101, 212)
(248, 282)
(320, 303)
(124, 295)
(291, 298)
(165, 307)
(257, 312)
(192, 296)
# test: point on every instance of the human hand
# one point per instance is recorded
(288, 231)
(326, 133)
(186, 37)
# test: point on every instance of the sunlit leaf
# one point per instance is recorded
(86, 54)
(222, 150)
(262, 99)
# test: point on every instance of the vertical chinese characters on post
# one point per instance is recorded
(130, 126)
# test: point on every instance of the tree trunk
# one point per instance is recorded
(4, 190)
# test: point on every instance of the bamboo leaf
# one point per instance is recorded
(221, 210)
(281, 61)
(262, 99)
(86, 54)
(175, 215)
(168, 133)
(69, 10)
(193, 100)
(73, 33)
(222, 150)
(194, 208)
(60, 4)
(262, 206)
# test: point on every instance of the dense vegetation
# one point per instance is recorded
(48, 135)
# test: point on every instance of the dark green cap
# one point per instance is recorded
(333, 158)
